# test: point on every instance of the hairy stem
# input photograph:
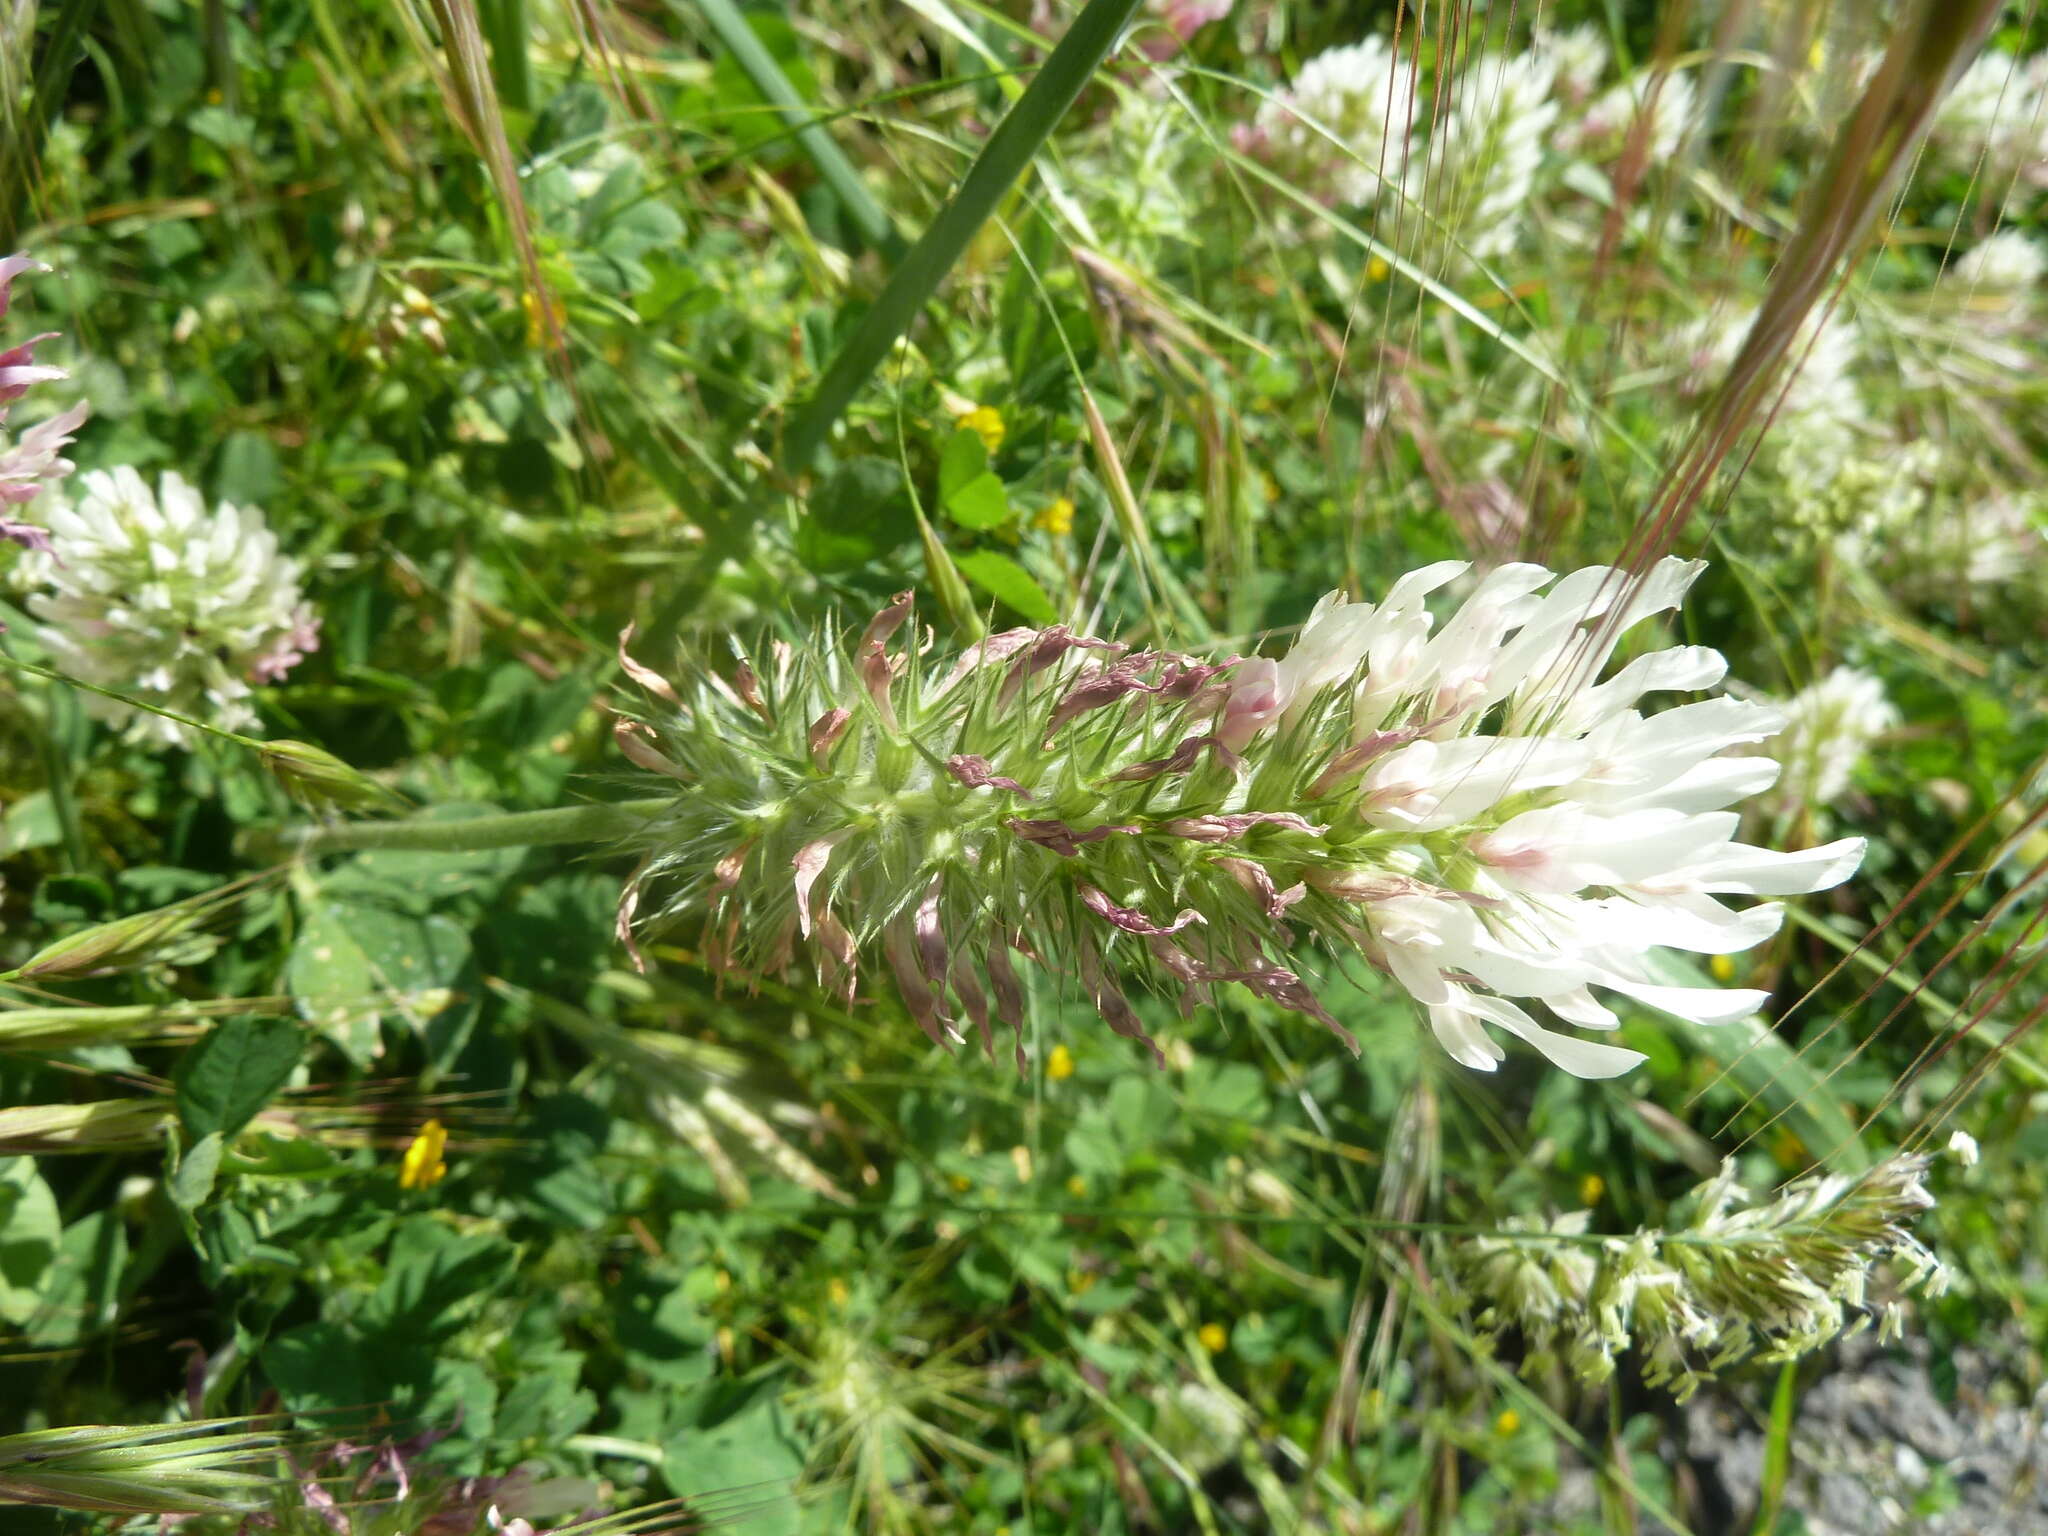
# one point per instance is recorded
(517, 829)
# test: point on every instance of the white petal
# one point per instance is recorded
(1581, 1058)
(1740, 870)
(1702, 1005)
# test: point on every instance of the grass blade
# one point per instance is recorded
(1010, 149)
(1777, 1450)
(747, 49)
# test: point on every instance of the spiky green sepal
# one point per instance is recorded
(1042, 794)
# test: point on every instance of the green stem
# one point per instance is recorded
(505, 23)
(471, 834)
(1009, 151)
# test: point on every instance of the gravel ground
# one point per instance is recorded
(1877, 1453)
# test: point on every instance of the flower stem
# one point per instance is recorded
(517, 829)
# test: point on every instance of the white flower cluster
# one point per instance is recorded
(1994, 122)
(1815, 410)
(2004, 263)
(1607, 127)
(1778, 1277)
(1828, 731)
(1491, 148)
(1525, 831)
(1342, 126)
(34, 460)
(152, 596)
(1347, 128)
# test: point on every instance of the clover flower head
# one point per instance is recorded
(32, 461)
(1578, 56)
(1829, 728)
(1615, 119)
(1487, 155)
(1342, 126)
(156, 597)
(1991, 123)
(1467, 809)
(1816, 411)
(2007, 262)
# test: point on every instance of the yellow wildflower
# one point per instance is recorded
(986, 422)
(1377, 269)
(1508, 1422)
(1077, 1187)
(1591, 1188)
(837, 1291)
(422, 1165)
(1057, 519)
(538, 326)
(1059, 1066)
(1215, 1337)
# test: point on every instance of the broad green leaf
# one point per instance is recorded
(1009, 583)
(751, 1461)
(196, 1172)
(82, 1287)
(29, 1234)
(330, 977)
(233, 1072)
(964, 457)
(980, 503)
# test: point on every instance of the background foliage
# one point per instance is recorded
(507, 342)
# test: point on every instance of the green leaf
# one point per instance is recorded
(234, 1071)
(964, 458)
(82, 1288)
(29, 1234)
(31, 822)
(980, 503)
(320, 1366)
(196, 1172)
(329, 975)
(434, 1278)
(858, 515)
(1009, 583)
(282, 1157)
(354, 963)
(750, 1460)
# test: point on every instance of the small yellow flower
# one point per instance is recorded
(1059, 1066)
(1377, 269)
(1508, 1422)
(986, 422)
(538, 328)
(837, 1292)
(1077, 1187)
(1591, 1188)
(422, 1165)
(1079, 1280)
(1215, 1337)
(1722, 968)
(961, 1183)
(1057, 519)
